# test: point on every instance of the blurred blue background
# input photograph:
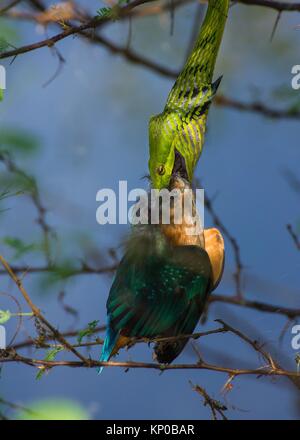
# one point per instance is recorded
(91, 124)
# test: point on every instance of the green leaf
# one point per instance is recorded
(58, 273)
(50, 356)
(19, 140)
(294, 108)
(17, 184)
(5, 316)
(283, 93)
(19, 246)
(4, 44)
(111, 12)
(52, 409)
(104, 12)
(88, 331)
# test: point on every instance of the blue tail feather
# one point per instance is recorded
(108, 346)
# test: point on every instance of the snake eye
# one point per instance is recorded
(161, 170)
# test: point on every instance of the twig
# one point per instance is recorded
(12, 4)
(261, 371)
(37, 312)
(36, 199)
(132, 342)
(236, 250)
(233, 300)
(256, 107)
(275, 25)
(273, 4)
(262, 307)
(254, 344)
(71, 333)
(294, 236)
(133, 57)
(216, 407)
(83, 270)
(16, 406)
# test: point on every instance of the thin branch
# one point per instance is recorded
(10, 5)
(294, 236)
(215, 406)
(36, 199)
(256, 107)
(233, 300)
(133, 57)
(236, 249)
(275, 26)
(16, 406)
(133, 341)
(271, 368)
(34, 342)
(37, 312)
(254, 344)
(83, 270)
(94, 23)
(130, 55)
(8, 357)
(125, 11)
(37, 4)
(262, 307)
(273, 4)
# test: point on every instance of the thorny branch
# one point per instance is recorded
(215, 406)
(37, 313)
(133, 10)
(10, 355)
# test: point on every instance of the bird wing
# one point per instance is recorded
(148, 299)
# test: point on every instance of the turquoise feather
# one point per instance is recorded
(159, 290)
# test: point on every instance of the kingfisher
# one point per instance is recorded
(163, 281)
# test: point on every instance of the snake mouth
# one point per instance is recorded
(179, 167)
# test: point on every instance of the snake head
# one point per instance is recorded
(162, 155)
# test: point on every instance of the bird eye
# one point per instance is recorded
(161, 170)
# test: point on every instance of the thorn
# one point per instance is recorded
(275, 26)
(215, 85)
(172, 15)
